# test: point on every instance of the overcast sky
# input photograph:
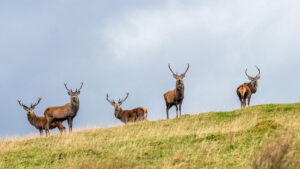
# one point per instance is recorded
(125, 46)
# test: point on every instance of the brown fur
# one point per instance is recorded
(134, 115)
(65, 112)
(175, 97)
(244, 93)
(39, 122)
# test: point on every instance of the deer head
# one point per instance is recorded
(179, 78)
(74, 94)
(253, 80)
(30, 109)
(117, 105)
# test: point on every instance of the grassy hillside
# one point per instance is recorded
(251, 138)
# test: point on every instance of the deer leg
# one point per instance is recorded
(49, 120)
(41, 132)
(145, 115)
(241, 100)
(64, 129)
(180, 109)
(176, 111)
(61, 128)
(140, 117)
(249, 98)
(168, 107)
(70, 122)
(137, 117)
(242, 104)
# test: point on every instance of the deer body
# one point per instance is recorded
(65, 112)
(61, 113)
(175, 97)
(246, 90)
(40, 122)
(134, 115)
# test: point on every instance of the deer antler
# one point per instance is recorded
(183, 74)
(258, 75)
(21, 104)
(67, 88)
(33, 105)
(253, 78)
(78, 90)
(174, 74)
(107, 98)
(249, 77)
(121, 101)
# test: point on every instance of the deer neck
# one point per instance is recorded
(75, 105)
(253, 86)
(179, 91)
(32, 119)
(118, 112)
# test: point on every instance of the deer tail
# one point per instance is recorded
(242, 91)
(145, 113)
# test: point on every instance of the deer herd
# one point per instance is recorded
(54, 116)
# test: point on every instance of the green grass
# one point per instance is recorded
(235, 139)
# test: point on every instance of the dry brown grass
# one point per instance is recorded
(277, 153)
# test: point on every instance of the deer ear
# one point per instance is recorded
(69, 93)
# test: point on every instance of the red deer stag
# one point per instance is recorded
(39, 122)
(176, 96)
(245, 90)
(65, 112)
(134, 115)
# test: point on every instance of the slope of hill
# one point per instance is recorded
(256, 137)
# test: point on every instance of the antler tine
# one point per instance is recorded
(21, 104)
(174, 74)
(123, 100)
(188, 66)
(249, 77)
(33, 105)
(258, 76)
(67, 87)
(78, 90)
(107, 98)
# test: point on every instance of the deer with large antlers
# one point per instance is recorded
(65, 112)
(134, 115)
(39, 122)
(245, 90)
(175, 97)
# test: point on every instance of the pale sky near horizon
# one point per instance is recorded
(125, 46)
